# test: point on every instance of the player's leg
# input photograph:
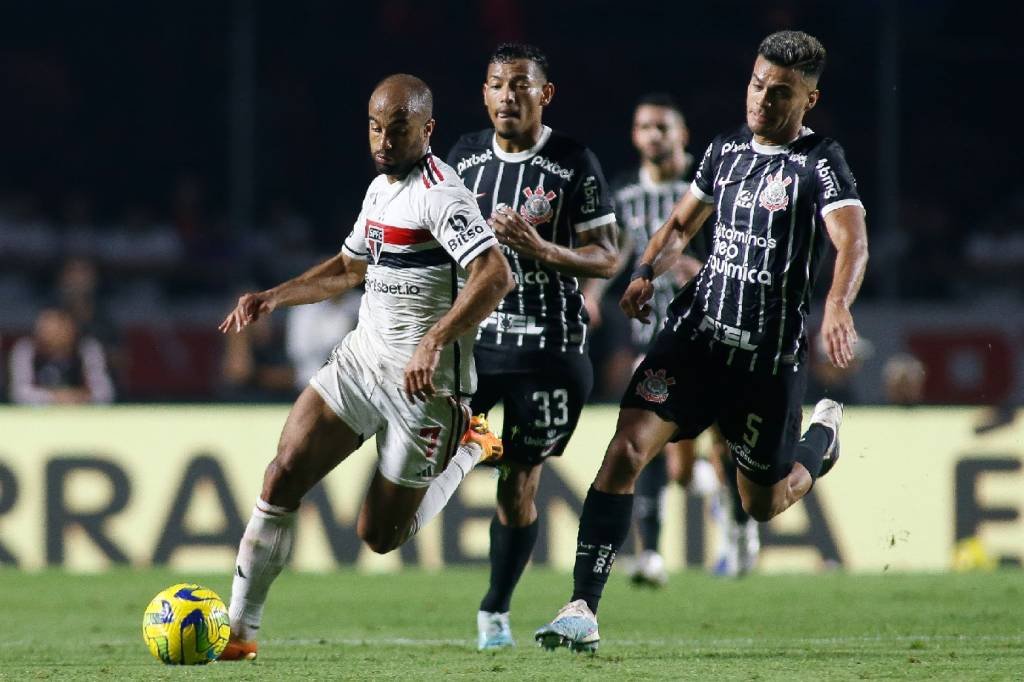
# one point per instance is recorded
(762, 429)
(314, 440)
(513, 534)
(542, 409)
(660, 404)
(425, 450)
(648, 568)
(604, 523)
(813, 457)
(739, 542)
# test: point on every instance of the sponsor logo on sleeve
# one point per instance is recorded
(589, 195)
(829, 181)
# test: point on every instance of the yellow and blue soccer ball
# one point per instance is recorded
(186, 624)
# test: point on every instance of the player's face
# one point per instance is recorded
(515, 94)
(398, 138)
(777, 100)
(658, 133)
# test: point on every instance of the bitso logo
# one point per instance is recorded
(774, 196)
(654, 386)
(374, 241)
(537, 207)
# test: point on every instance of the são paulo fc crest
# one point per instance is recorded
(537, 207)
(654, 386)
(774, 196)
(374, 241)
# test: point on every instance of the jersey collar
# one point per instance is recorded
(778, 148)
(517, 157)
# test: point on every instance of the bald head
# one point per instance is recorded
(402, 91)
(401, 110)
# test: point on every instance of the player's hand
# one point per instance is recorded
(419, 373)
(838, 333)
(249, 309)
(635, 301)
(513, 231)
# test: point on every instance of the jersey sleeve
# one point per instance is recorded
(455, 221)
(592, 202)
(354, 245)
(835, 184)
(703, 186)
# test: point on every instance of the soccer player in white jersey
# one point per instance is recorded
(401, 374)
(734, 348)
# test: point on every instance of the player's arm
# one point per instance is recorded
(663, 251)
(489, 280)
(325, 280)
(596, 255)
(593, 288)
(849, 234)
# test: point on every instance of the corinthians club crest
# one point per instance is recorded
(654, 386)
(537, 207)
(774, 196)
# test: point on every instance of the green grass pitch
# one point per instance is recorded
(419, 625)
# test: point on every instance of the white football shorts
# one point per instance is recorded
(415, 440)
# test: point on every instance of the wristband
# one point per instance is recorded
(644, 270)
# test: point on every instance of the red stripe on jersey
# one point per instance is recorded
(426, 183)
(433, 166)
(402, 236)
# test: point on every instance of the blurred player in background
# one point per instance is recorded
(401, 374)
(58, 365)
(734, 348)
(550, 208)
(644, 199)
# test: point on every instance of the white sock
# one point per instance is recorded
(704, 480)
(444, 486)
(263, 552)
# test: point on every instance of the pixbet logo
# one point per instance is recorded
(735, 147)
(474, 160)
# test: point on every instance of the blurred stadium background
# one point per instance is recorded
(160, 158)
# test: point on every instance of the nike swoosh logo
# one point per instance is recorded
(482, 194)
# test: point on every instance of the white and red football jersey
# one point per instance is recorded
(416, 236)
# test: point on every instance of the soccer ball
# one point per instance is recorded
(186, 624)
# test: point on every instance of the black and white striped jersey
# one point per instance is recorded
(558, 187)
(643, 206)
(753, 293)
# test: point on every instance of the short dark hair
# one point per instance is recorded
(795, 50)
(509, 52)
(660, 99)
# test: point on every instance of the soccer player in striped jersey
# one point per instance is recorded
(734, 347)
(550, 208)
(644, 199)
(402, 374)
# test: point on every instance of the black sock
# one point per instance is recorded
(603, 527)
(510, 551)
(648, 502)
(811, 449)
(739, 514)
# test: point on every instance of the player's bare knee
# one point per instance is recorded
(379, 541)
(624, 460)
(761, 509)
